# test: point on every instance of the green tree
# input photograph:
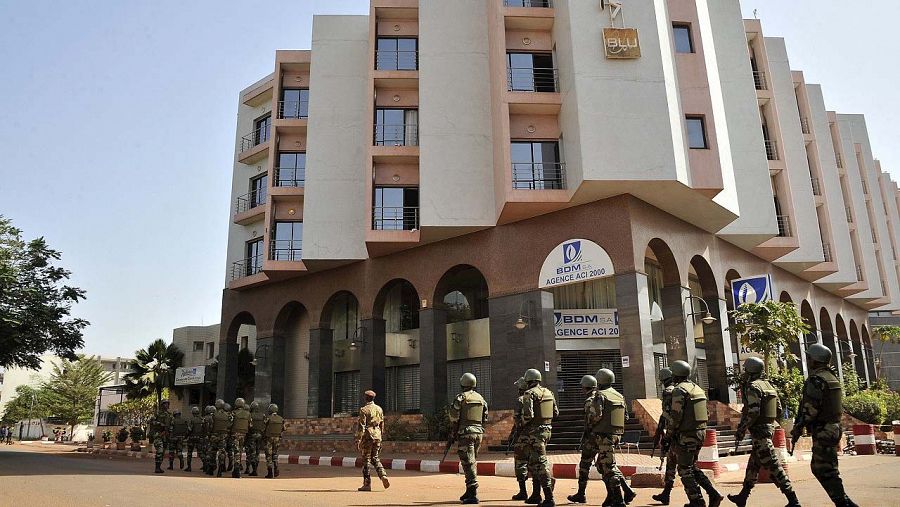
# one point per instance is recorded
(884, 334)
(154, 369)
(768, 328)
(35, 303)
(136, 411)
(28, 402)
(851, 380)
(71, 391)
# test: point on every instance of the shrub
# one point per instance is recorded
(851, 380)
(137, 433)
(398, 429)
(866, 406)
(789, 385)
(122, 435)
(438, 425)
(892, 406)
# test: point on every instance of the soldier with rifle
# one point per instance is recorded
(539, 408)
(587, 446)
(663, 438)
(467, 415)
(195, 437)
(520, 461)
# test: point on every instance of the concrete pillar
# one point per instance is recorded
(226, 383)
(635, 335)
(371, 358)
(718, 351)
(515, 350)
(674, 324)
(836, 360)
(433, 359)
(270, 357)
(865, 362)
(321, 374)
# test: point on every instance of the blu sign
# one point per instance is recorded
(575, 260)
(600, 323)
(754, 289)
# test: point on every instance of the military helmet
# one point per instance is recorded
(665, 375)
(210, 409)
(177, 411)
(754, 365)
(227, 407)
(467, 380)
(520, 384)
(239, 403)
(680, 369)
(195, 410)
(254, 405)
(532, 375)
(220, 404)
(164, 402)
(605, 376)
(819, 353)
(273, 408)
(588, 382)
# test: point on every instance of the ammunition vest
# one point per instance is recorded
(542, 399)
(830, 411)
(273, 425)
(471, 409)
(257, 422)
(695, 415)
(196, 426)
(612, 422)
(161, 422)
(241, 422)
(179, 427)
(768, 410)
(220, 422)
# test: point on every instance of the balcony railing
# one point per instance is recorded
(759, 79)
(286, 250)
(250, 200)
(771, 150)
(246, 267)
(387, 218)
(784, 226)
(528, 3)
(529, 79)
(294, 109)
(804, 125)
(386, 59)
(826, 250)
(816, 187)
(865, 186)
(840, 160)
(290, 176)
(539, 176)
(397, 135)
(849, 211)
(859, 273)
(256, 137)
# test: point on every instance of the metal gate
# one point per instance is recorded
(480, 367)
(700, 375)
(575, 364)
(402, 388)
(661, 361)
(346, 393)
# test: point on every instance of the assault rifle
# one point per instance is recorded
(663, 452)
(512, 438)
(450, 439)
(659, 436)
(795, 436)
(584, 436)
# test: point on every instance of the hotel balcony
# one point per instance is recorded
(396, 143)
(247, 273)
(255, 145)
(396, 69)
(528, 14)
(393, 229)
(288, 181)
(285, 259)
(249, 207)
(539, 176)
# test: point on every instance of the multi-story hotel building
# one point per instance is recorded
(495, 185)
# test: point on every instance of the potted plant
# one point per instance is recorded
(121, 437)
(137, 434)
(90, 441)
(107, 438)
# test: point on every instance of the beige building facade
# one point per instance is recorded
(491, 186)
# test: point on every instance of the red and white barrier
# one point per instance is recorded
(864, 439)
(780, 443)
(896, 437)
(709, 454)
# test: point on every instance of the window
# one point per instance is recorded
(245, 342)
(291, 170)
(210, 350)
(396, 127)
(261, 129)
(198, 346)
(395, 209)
(294, 103)
(259, 188)
(396, 53)
(288, 242)
(527, 3)
(696, 130)
(253, 259)
(530, 72)
(683, 41)
(536, 165)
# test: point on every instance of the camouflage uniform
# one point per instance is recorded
(274, 427)
(240, 424)
(605, 414)
(539, 408)
(520, 460)
(671, 458)
(368, 439)
(820, 413)
(688, 415)
(178, 432)
(254, 441)
(195, 440)
(208, 463)
(218, 440)
(159, 433)
(761, 409)
(468, 413)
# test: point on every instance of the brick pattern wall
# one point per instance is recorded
(725, 414)
(647, 412)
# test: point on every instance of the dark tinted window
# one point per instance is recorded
(262, 128)
(394, 53)
(288, 241)
(295, 103)
(530, 72)
(396, 208)
(291, 169)
(696, 130)
(536, 165)
(258, 189)
(683, 41)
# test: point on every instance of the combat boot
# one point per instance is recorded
(159, 469)
(220, 470)
(181, 462)
(628, 494)
(367, 485)
(548, 498)
(792, 499)
(848, 502)
(740, 499)
(522, 494)
(277, 473)
(535, 497)
(715, 498)
(579, 496)
(189, 460)
(236, 472)
(470, 495)
(615, 496)
(171, 462)
(664, 496)
(269, 475)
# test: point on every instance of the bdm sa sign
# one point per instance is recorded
(596, 323)
(190, 375)
(573, 261)
(753, 289)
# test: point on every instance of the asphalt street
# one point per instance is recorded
(50, 476)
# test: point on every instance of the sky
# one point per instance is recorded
(117, 129)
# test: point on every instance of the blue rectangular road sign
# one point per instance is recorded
(753, 289)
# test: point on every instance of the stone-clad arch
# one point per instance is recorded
(712, 345)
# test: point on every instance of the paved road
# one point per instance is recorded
(47, 476)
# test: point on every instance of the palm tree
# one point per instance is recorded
(885, 334)
(154, 369)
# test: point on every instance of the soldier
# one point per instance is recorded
(688, 416)
(520, 460)
(368, 441)
(208, 464)
(467, 415)
(272, 439)
(178, 432)
(240, 424)
(218, 438)
(229, 439)
(820, 413)
(588, 447)
(538, 411)
(759, 416)
(254, 437)
(159, 433)
(665, 376)
(195, 436)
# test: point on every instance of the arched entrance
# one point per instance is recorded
(809, 318)
(397, 304)
(861, 356)
(828, 339)
(796, 348)
(234, 361)
(667, 322)
(341, 315)
(847, 354)
(711, 345)
(285, 358)
(870, 364)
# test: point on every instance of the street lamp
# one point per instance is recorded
(359, 339)
(707, 316)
